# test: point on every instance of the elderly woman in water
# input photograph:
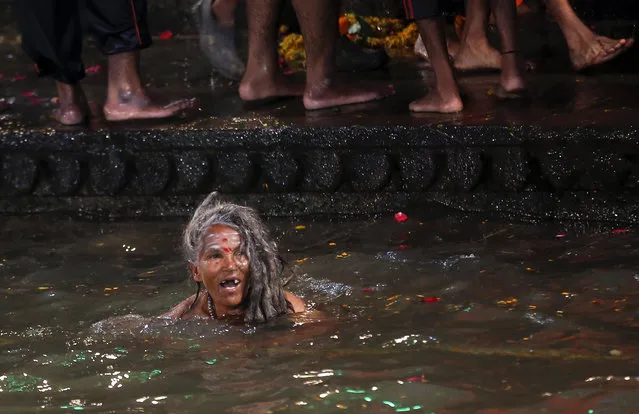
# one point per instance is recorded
(236, 266)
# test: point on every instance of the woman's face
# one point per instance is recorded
(222, 269)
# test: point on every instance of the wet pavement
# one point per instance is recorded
(558, 97)
(446, 313)
(567, 152)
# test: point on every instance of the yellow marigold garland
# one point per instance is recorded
(394, 35)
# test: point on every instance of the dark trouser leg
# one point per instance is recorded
(118, 25)
(52, 37)
(121, 29)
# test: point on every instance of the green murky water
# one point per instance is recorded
(444, 314)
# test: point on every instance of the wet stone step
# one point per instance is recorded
(579, 173)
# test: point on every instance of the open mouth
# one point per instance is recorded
(229, 283)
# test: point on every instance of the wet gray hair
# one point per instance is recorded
(265, 298)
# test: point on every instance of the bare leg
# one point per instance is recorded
(126, 99)
(453, 45)
(73, 107)
(224, 11)
(318, 21)
(445, 97)
(475, 51)
(263, 78)
(585, 48)
(505, 12)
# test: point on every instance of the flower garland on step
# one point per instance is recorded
(395, 35)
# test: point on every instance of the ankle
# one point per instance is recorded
(71, 96)
(262, 68)
(476, 43)
(577, 39)
(321, 76)
(318, 86)
(448, 93)
(509, 58)
(126, 95)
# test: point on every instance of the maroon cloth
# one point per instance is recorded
(423, 9)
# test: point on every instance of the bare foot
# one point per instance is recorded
(597, 50)
(511, 83)
(515, 93)
(73, 108)
(477, 56)
(139, 106)
(454, 46)
(469, 57)
(259, 86)
(328, 94)
(69, 115)
(434, 102)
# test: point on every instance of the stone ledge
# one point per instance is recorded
(570, 206)
(330, 137)
(582, 173)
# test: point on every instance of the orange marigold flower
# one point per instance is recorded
(344, 25)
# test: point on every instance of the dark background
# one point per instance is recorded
(540, 39)
(175, 14)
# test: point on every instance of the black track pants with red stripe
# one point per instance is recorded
(423, 9)
(52, 32)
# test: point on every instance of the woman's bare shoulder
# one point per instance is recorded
(298, 303)
(178, 311)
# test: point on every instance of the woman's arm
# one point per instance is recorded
(298, 304)
(181, 310)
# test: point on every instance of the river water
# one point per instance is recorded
(443, 313)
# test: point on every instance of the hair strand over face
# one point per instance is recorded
(265, 296)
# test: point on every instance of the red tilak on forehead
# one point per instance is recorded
(225, 239)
